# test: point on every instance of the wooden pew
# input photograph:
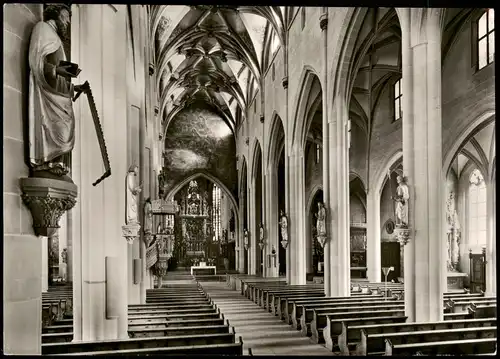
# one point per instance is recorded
(318, 322)
(158, 307)
(275, 298)
(457, 347)
(306, 310)
(462, 306)
(319, 319)
(483, 311)
(299, 305)
(176, 323)
(373, 340)
(230, 349)
(346, 335)
(339, 333)
(177, 331)
(115, 346)
(63, 337)
(169, 317)
(58, 329)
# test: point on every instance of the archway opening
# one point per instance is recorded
(258, 212)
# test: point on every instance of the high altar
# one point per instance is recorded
(194, 233)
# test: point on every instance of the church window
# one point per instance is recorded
(477, 211)
(486, 38)
(216, 196)
(398, 111)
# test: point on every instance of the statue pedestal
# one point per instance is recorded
(456, 281)
(47, 200)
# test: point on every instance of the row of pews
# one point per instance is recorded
(177, 319)
(57, 305)
(372, 320)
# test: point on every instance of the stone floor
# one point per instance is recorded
(261, 331)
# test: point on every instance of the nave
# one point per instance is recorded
(334, 166)
(254, 316)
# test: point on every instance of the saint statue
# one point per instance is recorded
(284, 225)
(402, 197)
(51, 117)
(148, 216)
(245, 238)
(261, 233)
(132, 192)
(321, 219)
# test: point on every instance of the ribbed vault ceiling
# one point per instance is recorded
(216, 54)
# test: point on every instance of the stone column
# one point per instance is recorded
(290, 182)
(373, 246)
(45, 263)
(253, 231)
(240, 247)
(272, 218)
(98, 215)
(491, 261)
(425, 271)
(326, 150)
(63, 243)
(338, 200)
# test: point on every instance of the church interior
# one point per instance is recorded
(248, 180)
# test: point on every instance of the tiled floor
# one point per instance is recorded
(264, 333)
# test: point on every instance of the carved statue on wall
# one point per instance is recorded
(148, 216)
(261, 233)
(162, 181)
(453, 234)
(51, 117)
(64, 255)
(284, 225)
(321, 219)
(401, 198)
(132, 192)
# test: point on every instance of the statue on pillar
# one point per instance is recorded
(453, 234)
(51, 117)
(148, 216)
(49, 191)
(401, 199)
(321, 224)
(132, 192)
(284, 229)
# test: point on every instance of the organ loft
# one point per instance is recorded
(249, 180)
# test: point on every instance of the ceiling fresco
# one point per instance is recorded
(199, 140)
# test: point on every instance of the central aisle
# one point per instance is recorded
(261, 331)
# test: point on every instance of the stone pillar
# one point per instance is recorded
(45, 263)
(240, 249)
(99, 213)
(134, 290)
(253, 231)
(338, 200)
(297, 235)
(272, 218)
(491, 260)
(425, 271)
(373, 245)
(63, 243)
(326, 150)
(290, 181)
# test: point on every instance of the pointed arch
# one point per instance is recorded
(309, 96)
(277, 138)
(394, 160)
(474, 127)
(256, 152)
